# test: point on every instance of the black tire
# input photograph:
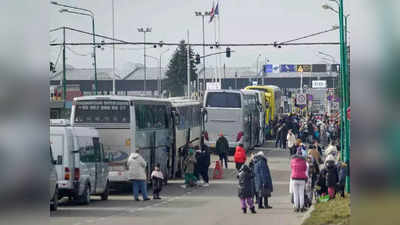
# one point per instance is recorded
(54, 206)
(106, 192)
(85, 197)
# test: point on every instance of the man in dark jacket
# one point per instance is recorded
(222, 148)
(263, 181)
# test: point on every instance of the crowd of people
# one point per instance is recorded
(316, 167)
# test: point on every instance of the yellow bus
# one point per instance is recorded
(273, 101)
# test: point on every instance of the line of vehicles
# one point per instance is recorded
(89, 151)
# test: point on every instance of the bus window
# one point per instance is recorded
(223, 100)
(102, 112)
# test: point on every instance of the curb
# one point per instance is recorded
(307, 214)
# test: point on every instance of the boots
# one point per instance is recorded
(253, 210)
(260, 205)
(244, 210)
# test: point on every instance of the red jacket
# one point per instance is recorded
(299, 168)
(240, 155)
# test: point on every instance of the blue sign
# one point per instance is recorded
(268, 68)
(288, 68)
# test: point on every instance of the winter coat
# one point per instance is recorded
(189, 164)
(299, 168)
(331, 173)
(240, 155)
(343, 171)
(245, 182)
(203, 160)
(157, 180)
(291, 140)
(222, 145)
(137, 167)
(262, 178)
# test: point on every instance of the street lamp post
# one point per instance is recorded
(257, 72)
(206, 13)
(144, 31)
(90, 14)
(265, 72)
(345, 126)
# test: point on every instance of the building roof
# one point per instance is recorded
(153, 73)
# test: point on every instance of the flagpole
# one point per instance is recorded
(219, 41)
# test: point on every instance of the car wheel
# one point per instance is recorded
(85, 198)
(54, 206)
(106, 192)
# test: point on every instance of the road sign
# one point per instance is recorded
(213, 86)
(268, 68)
(319, 84)
(318, 68)
(288, 68)
(276, 68)
(301, 99)
(304, 68)
(299, 69)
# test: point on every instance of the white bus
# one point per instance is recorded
(128, 124)
(187, 129)
(234, 114)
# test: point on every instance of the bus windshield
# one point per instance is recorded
(223, 100)
(102, 111)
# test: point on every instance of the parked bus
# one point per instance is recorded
(273, 100)
(232, 113)
(260, 103)
(128, 124)
(187, 129)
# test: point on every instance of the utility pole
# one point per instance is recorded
(188, 66)
(206, 13)
(113, 34)
(64, 82)
(144, 31)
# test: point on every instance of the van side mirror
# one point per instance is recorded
(205, 115)
(59, 159)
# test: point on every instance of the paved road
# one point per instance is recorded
(213, 205)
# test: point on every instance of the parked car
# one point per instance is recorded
(53, 187)
(81, 165)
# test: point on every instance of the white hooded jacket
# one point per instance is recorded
(137, 167)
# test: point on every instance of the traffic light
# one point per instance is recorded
(228, 52)
(197, 59)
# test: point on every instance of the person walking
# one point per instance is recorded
(189, 166)
(240, 155)
(284, 133)
(203, 162)
(291, 140)
(299, 176)
(137, 174)
(315, 154)
(222, 148)
(343, 172)
(245, 191)
(157, 179)
(263, 180)
(278, 142)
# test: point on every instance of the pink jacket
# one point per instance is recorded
(299, 168)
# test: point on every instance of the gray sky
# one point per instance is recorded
(241, 21)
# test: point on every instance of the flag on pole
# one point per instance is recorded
(212, 13)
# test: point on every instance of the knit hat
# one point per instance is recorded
(260, 153)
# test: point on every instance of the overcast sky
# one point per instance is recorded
(251, 21)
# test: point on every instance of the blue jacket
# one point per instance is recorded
(262, 174)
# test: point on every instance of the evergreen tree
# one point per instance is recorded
(177, 71)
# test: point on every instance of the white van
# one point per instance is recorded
(81, 166)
